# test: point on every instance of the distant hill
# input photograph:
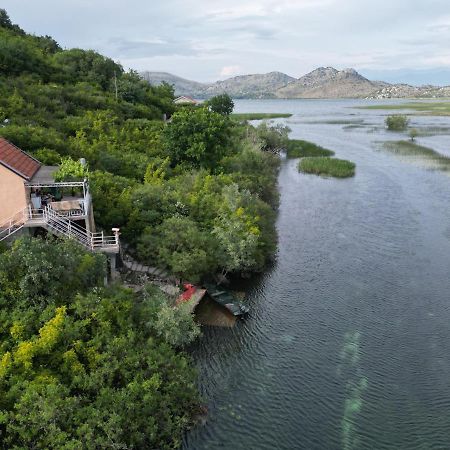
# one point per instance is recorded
(244, 86)
(182, 86)
(250, 86)
(324, 82)
(327, 82)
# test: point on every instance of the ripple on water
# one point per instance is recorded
(348, 343)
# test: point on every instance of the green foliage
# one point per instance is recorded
(397, 122)
(297, 148)
(47, 156)
(86, 65)
(221, 104)
(87, 367)
(183, 248)
(19, 54)
(339, 168)
(237, 232)
(70, 170)
(255, 171)
(175, 325)
(34, 272)
(156, 171)
(197, 138)
(268, 137)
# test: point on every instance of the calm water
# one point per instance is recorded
(348, 344)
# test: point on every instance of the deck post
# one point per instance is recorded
(112, 265)
(116, 232)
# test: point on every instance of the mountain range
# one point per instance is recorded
(324, 82)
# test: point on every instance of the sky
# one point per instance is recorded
(207, 40)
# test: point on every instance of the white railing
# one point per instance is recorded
(13, 224)
(58, 224)
(59, 184)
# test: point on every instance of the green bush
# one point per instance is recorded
(397, 122)
(297, 148)
(339, 168)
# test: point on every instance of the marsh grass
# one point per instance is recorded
(339, 122)
(432, 131)
(429, 108)
(297, 148)
(333, 167)
(259, 116)
(418, 154)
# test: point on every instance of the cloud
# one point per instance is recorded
(198, 39)
(229, 71)
(125, 48)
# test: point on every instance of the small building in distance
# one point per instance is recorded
(185, 100)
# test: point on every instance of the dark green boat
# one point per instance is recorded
(227, 300)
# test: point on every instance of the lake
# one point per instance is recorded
(348, 341)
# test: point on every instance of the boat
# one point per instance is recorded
(227, 300)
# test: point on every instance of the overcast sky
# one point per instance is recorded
(209, 40)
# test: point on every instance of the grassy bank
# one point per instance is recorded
(259, 116)
(419, 154)
(332, 167)
(297, 148)
(429, 108)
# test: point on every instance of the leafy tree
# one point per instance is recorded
(221, 104)
(156, 171)
(237, 233)
(47, 156)
(19, 54)
(71, 170)
(183, 248)
(87, 65)
(198, 138)
(5, 22)
(270, 137)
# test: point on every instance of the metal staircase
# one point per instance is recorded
(61, 226)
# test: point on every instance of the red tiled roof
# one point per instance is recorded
(17, 160)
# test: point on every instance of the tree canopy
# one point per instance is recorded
(82, 366)
(221, 104)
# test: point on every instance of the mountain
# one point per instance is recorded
(182, 86)
(244, 86)
(250, 86)
(324, 82)
(327, 82)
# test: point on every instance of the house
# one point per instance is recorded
(30, 198)
(185, 100)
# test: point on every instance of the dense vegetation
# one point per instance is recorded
(83, 366)
(397, 122)
(297, 148)
(339, 168)
(196, 196)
